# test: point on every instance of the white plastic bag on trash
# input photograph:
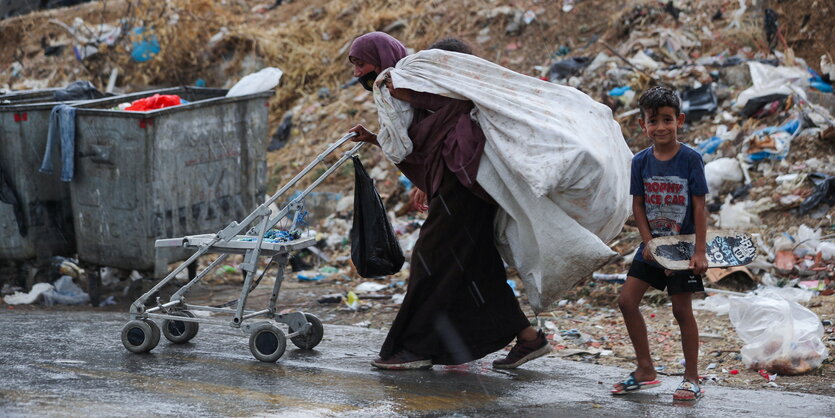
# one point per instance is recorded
(555, 161)
(722, 170)
(780, 336)
(737, 215)
(262, 80)
(718, 304)
(791, 294)
(20, 298)
(64, 291)
(768, 80)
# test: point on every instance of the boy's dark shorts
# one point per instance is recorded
(679, 282)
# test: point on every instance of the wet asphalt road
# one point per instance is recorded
(73, 363)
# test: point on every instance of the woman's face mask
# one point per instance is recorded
(368, 79)
(366, 73)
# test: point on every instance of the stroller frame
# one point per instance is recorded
(267, 342)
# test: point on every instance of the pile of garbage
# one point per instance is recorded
(758, 102)
(63, 290)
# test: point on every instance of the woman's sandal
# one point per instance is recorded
(688, 386)
(632, 385)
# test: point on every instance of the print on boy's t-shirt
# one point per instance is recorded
(667, 187)
(666, 201)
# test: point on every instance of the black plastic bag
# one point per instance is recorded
(568, 67)
(78, 90)
(824, 192)
(374, 247)
(698, 102)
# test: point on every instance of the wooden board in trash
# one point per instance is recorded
(724, 249)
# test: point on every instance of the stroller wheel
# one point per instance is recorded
(267, 343)
(140, 336)
(313, 336)
(155, 333)
(179, 332)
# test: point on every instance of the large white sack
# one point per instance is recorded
(553, 156)
(562, 142)
(548, 248)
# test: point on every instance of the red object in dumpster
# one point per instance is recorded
(157, 101)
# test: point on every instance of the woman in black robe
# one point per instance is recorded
(458, 306)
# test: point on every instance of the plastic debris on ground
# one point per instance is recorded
(369, 287)
(64, 292)
(309, 276)
(781, 336)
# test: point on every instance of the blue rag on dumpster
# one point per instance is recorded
(61, 130)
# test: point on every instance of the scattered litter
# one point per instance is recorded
(308, 276)
(352, 301)
(567, 5)
(613, 278)
(575, 351)
(20, 298)
(767, 376)
(64, 292)
(368, 287)
(332, 298)
(226, 269)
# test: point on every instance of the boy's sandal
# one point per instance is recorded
(691, 387)
(632, 385)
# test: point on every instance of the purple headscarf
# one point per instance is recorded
(378, 49)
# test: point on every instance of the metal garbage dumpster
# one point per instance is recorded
(176, 171)
(43, 201)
